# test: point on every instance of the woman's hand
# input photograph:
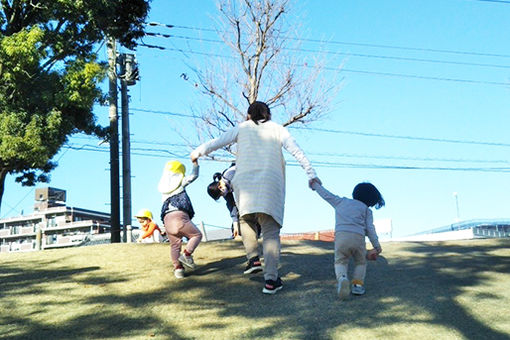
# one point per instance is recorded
(194, 157)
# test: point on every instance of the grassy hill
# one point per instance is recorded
(434, 290)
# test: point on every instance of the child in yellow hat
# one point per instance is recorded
(176, 214)
(151, 233)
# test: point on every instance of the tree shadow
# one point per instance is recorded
(417, 278)
(308, 306)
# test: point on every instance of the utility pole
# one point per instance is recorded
(114, 142)
(129, 75)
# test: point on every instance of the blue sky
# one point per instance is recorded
(423, 112)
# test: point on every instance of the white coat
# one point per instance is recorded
(259, 181)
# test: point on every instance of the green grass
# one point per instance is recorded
(433, 290)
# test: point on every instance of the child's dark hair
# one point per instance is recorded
(213, 189)
(259, 111)
(368, 194)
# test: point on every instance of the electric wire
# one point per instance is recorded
(386, 74)
(337, 42)
(318, 164)
(497, 1)
(350, 54)
(360, 133)
(330, 154)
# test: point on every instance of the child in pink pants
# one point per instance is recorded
(176, 214)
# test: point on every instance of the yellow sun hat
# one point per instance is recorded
(144, 213)
(175, 167)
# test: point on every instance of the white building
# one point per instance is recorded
(464, 230)
(52, 225)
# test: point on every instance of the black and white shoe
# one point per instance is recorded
(254, 266)
(271, 286)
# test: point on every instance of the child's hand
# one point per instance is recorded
(372, 254)
(236, 229)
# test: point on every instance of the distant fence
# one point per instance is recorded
(325, 236)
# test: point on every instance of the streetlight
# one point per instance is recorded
(457, 206)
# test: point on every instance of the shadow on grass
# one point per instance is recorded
(307, 308)
(19, 280)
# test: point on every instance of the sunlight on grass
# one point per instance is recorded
(450, 290)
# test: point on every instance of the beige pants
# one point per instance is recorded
(350, 245)
(270, 241)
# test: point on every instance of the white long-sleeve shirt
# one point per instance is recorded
(350, 215)
(259, 181)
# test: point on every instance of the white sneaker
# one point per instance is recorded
(358, 289)
(343, 289)
(187, 261)
(179, 273)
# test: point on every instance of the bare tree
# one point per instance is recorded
(263, 66)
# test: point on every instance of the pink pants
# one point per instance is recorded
(178, 225)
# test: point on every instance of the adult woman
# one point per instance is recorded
(259, 183)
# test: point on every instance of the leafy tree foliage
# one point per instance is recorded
(50, 75)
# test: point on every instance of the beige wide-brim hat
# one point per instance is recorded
(174, 170)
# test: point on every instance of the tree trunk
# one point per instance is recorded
(3, 175)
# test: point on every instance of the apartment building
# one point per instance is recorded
(51, 225)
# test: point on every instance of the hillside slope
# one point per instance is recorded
(447, 290)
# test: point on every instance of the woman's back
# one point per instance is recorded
(259, 182)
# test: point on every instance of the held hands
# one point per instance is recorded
(312, 181)
(194, 157)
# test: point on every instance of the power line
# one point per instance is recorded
(320, 164)
(327, 154)
(402, 158)
(398, 167)
(336, 42)
(165, 113)
(386, 74)
(373, 56)
(360, 133)
(497, 1)
(428, 139)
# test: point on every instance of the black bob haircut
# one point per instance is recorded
(368, 194)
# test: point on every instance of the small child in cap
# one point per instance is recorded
(151, 233)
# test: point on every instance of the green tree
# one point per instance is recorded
(50, 76)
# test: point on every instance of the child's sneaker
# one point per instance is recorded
(358, 289)
(187, 261)
(179, 273)
(254, 266)
(271, 286)
(343, 289)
